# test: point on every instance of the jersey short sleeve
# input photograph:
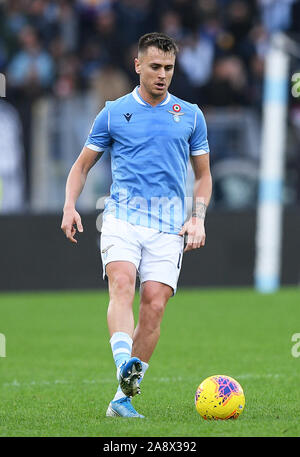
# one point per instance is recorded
(99, 137)
(198, 140)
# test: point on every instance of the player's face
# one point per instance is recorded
(156, 69)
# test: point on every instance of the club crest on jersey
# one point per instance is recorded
(176, 112)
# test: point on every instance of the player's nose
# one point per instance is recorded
(162, 73)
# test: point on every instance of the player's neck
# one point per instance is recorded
(147, 97)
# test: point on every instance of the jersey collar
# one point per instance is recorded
(138, 98)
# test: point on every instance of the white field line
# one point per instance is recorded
(178, 379)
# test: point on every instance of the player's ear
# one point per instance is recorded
(137, 65)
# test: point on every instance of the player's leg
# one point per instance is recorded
(121, 253)
(121, 285)
(154, 298)
(159, 271)
(121, 280)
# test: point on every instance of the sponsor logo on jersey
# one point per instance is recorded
(127, 116)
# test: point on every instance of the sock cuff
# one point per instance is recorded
(145, 366)
(121, 336)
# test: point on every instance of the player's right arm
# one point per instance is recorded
(75, 183)
(98, 139)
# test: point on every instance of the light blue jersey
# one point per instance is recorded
(150, 148)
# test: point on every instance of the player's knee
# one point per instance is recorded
(157, 307)
(122, 284)
(152, 313)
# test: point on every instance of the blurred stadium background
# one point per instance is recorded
(63, 59)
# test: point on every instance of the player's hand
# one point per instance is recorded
(194, 232)
(71, 218)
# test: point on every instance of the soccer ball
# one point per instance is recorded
(219, 397)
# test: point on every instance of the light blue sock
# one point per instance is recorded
(120, 394)
(121, 346)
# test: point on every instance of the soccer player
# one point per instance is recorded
(151, 135)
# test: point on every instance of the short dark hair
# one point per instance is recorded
(158, 40)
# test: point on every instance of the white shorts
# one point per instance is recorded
(156, 255)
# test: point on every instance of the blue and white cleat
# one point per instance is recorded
(130, 373)
(122, 408)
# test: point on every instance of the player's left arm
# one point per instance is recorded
(194, 228)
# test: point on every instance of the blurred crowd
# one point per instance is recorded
(64, 47)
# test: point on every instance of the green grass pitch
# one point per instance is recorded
(58, 375)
